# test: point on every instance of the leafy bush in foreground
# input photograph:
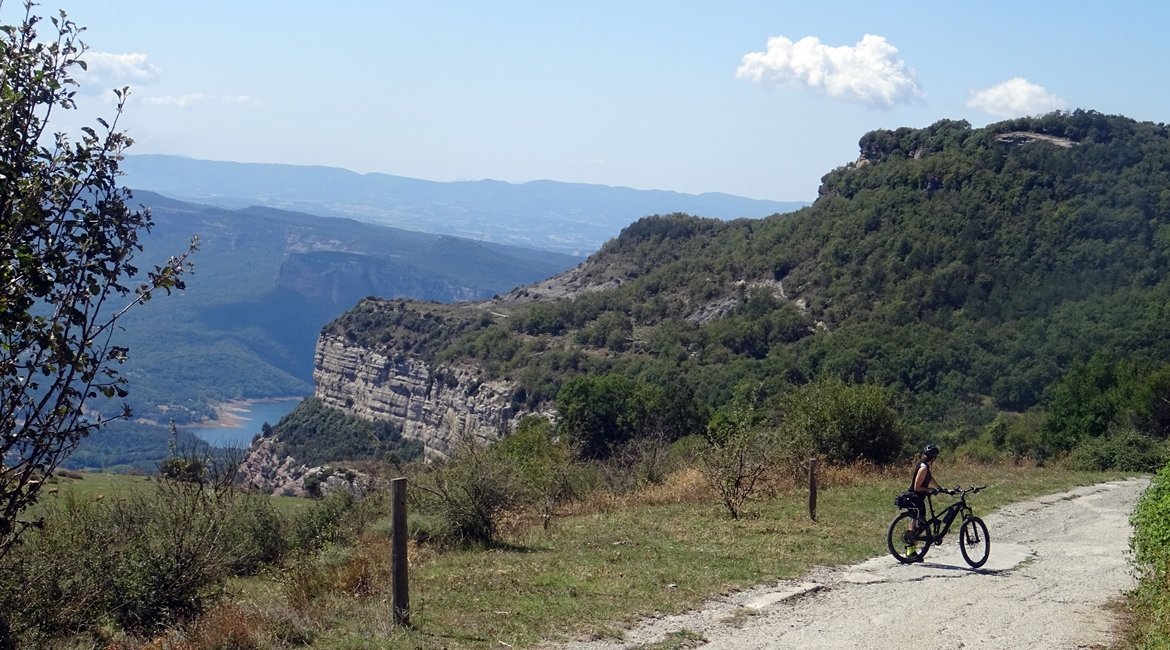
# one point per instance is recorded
(1151, 557)
(138, 563)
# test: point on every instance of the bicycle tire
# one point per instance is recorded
(974, 541)
(895, 542)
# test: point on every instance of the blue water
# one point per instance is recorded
(254, 416)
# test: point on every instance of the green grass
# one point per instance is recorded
(91, 485)
(594, 573)
(102, 485)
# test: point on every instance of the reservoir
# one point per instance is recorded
(243, 421)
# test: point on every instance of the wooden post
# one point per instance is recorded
(401, 584)
(812, 489)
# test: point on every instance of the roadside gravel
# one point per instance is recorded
(1055, 563)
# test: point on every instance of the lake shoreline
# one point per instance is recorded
(240, 421)
(228, 414)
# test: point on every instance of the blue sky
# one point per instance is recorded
(758, 99)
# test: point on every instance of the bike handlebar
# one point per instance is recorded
(959, 491)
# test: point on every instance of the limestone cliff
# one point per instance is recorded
(437, 405)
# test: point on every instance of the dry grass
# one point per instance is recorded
(608, 561)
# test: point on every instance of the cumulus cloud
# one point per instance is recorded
(106, 70)
(869, 72)
(1014, 98)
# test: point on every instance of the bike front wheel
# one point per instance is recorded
(974, 542)
(897, 538)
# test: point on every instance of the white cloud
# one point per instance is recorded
(240, 99)
(105, 70)
(176, 101)
(870, 72)
(1014, 98)
(191, 99)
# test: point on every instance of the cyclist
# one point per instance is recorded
(920, 484)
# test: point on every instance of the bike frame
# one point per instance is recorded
(939, 525)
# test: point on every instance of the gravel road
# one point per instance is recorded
(1055, 563)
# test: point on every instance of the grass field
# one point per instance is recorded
(594, 571)
(102, 485)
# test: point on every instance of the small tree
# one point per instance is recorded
(742, 448)
(67, 239)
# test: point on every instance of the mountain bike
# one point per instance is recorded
(974, 542)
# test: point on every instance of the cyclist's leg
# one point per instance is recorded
(916, 525)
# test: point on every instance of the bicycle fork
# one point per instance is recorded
(970, 534)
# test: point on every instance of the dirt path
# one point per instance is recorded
(1055, 562)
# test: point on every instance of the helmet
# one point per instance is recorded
(930, 451)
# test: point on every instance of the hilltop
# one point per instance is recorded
(979, 273)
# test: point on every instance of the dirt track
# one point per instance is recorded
(1055, 562)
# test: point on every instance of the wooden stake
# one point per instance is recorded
(401, 583)
(812, 489)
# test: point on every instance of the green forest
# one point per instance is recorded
(1005, 285)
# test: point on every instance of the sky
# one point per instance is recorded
(756, 99)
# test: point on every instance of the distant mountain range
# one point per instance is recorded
(265, 282)
(572, 218)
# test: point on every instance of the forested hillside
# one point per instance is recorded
(1008, 283)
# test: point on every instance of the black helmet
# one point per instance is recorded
(930, 451)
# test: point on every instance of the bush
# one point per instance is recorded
(325, 522)
(980, 450)
(549, 473)
(1151, 557)
(1127, 451)
(139, 564)
(465, 498)
(844, 422)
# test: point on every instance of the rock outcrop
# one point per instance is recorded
(265, 470)
(438, 406)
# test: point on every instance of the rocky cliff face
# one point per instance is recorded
(439, 406)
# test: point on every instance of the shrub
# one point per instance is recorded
(549, 473)
(467, 496)
(137, 564)
(844, 422)
(980, 450)
(1151, 557)
(1127, 451)
(325, 522)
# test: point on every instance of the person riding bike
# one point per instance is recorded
(920, 485)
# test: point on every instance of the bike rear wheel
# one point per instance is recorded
(974, 542)
(896, 539)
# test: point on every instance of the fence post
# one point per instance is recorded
(401, 584)
(812, 489)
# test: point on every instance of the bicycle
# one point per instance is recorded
(974, 542)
